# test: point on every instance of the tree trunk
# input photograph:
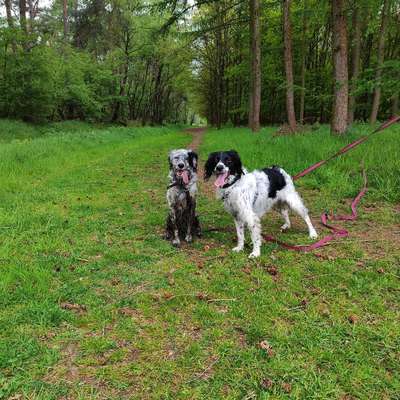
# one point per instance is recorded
(31, 9)
(22, 15)
(381, 55)
(287, 40)
(303, 65)
(355, 60)
(395, 104)
(340, 71)
(65, 19)
(255, 76)
(10, 20)
(219, 75)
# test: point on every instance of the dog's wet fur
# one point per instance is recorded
(182, 222)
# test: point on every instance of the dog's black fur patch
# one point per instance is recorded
(230, 158)
(193, 157)
(276, 180)
(184, 212)
(212, 161)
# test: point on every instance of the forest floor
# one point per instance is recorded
(96, 305)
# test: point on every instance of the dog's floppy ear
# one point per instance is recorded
(193, 157)
(169, 159)
(210, 165)
(237, 162)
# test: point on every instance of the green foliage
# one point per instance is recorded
(114, 65)
(27, 81)
(44, 83)
(83, 87)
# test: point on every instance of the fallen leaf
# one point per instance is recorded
(168, 295)
(267, 383)
(304, 302)
(129, 312)
(360, 263)
(352, 319)
(246, 270)
(287, 387)
(115, 281)
(202, 296)
(264, 344)
(73, 307)
(272, 270)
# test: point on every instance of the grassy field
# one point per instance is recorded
(95, 305)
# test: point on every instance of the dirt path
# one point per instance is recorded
(197, 135)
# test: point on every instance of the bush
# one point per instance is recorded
(41, 83)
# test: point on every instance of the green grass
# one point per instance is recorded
(95, 305)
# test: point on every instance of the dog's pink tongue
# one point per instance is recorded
(185, 177)
(220, 181)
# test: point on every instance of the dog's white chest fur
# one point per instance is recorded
(249, 193)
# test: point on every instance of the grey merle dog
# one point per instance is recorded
(248, 196)
(182, 221)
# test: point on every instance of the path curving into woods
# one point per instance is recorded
(197, 134)
(197, 140)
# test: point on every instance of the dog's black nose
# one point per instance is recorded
(181, 165)
(219, 167)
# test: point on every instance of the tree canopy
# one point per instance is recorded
(169, 61)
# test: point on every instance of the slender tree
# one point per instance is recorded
(32, 8)
(65, 19)
(355, 58)
(22, 15)
(288, 60)
(10, 20)
(303, 64)
(396, 56)
(381, 56)
(255, 73)
(340, 71)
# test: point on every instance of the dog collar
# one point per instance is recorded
(227, 185)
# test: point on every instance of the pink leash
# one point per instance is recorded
(336, 232)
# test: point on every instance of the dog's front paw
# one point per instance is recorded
(285, 227)
(254, 254)
(189, 238)
(313, 234)
(237, 249)
(176, 243)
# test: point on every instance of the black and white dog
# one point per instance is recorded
(182, 221)
(248, 196)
